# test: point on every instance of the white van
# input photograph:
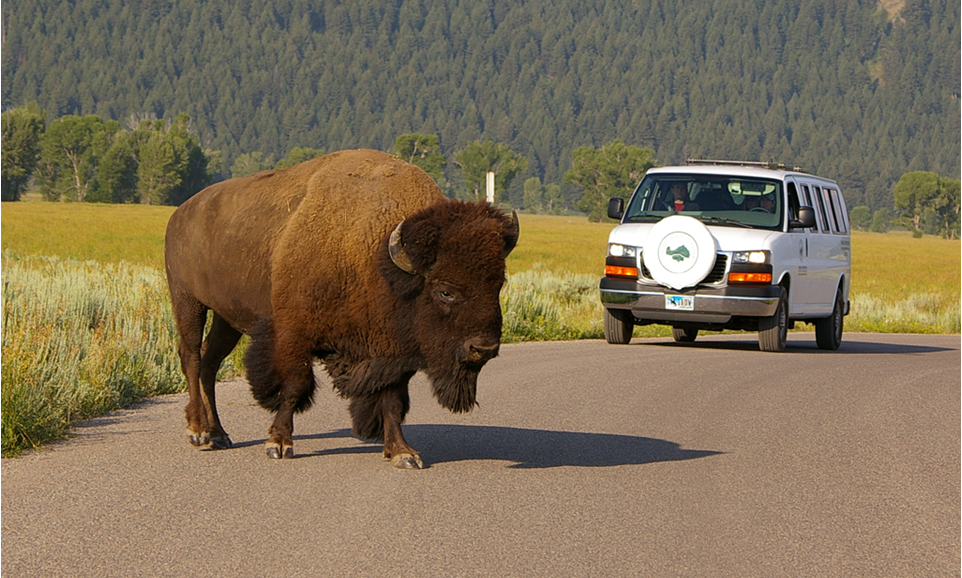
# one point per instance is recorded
(719, 245)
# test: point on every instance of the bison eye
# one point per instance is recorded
(446, 295)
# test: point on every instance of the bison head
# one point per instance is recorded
(447, 268)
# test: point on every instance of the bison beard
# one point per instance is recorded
(455, 386)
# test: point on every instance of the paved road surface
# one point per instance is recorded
(584, 459)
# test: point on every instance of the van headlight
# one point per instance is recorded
(618, 250)
(753, 257)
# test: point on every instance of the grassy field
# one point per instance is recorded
(87, 324)
(86, 231)
(889, 266)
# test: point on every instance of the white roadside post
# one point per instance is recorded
(490, 187)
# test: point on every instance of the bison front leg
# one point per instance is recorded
(296, 395)
(281, 377)
(379, 416)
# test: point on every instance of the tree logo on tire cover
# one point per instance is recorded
(678, 252)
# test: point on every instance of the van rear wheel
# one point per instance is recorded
(828, 331)
(773, 331)
(618, 326)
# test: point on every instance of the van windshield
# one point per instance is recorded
(714, 199)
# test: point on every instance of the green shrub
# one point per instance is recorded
(80, 339)
(923, 313)
(542, 305)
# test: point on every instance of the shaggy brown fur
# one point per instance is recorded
(298, 259)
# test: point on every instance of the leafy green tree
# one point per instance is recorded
(914, 193)
(71, 147)
(159, 170)
(423, 150)
(540, 198)
(861, 217)
(117, 171)
(532, 198)
(192, 161)
(171, 166)
(479, 158)
(22, 131)
(611, 171)
(250, 163)
(298, 155)
(947, 208)
(881, 221)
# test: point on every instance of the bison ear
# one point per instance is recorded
(511, 232)
(396, 249)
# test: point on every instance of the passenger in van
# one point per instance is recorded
(676, 200)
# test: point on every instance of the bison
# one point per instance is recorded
(355, 259)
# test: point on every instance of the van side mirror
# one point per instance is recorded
(806, 219)
(616, 208)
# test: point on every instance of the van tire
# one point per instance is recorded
(773, 331)
(683, 335)
(828, 331)
(618, 326)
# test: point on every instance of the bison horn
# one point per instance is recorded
(396, 250)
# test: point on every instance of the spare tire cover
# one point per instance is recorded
(679, 251)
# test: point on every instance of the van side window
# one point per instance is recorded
(832, 218)
(823, 222)
(808, 201)
(835, 200)
(792, 202)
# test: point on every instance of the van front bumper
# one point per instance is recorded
(709, 304)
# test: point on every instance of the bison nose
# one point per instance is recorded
(477, 351)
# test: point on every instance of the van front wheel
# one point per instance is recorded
(618, 326)
(773, 331)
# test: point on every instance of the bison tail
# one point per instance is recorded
(267, 383)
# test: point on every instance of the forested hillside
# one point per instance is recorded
(845, 88)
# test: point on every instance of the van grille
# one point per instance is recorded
(715, 277)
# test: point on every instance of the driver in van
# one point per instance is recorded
(760, 203)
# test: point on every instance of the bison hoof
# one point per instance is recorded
(220, 443)
(407, 462)
(198, 440)
(275, 452)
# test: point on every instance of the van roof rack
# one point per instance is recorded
(771, 165)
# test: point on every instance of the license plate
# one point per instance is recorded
(680, 302)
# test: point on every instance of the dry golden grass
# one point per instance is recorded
(86, 231)
(899, 283)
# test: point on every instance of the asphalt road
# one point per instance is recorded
(584, 459)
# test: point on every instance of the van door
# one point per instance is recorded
(804, 284)
(794, 258)
(824, 252)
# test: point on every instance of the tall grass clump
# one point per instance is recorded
(543, 305)
(540, 305)
(80, 339)
(916, 313)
